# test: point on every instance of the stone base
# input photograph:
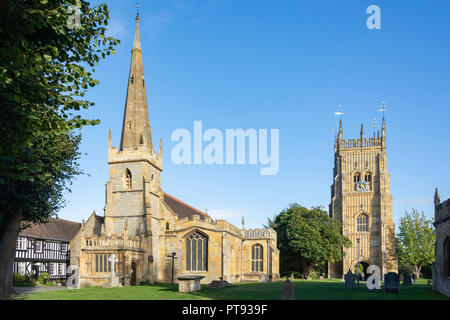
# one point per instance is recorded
(189, 283)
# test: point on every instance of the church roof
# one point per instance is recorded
(181, 209)
(56, 229)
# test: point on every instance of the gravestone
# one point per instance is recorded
(292, 276)
(288, 290)
(263, 277)
(349, 280)
(392, 282)
(276, 277)
(407, 280)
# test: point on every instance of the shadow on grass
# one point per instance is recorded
(304, 290)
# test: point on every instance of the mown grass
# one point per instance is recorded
(304, 290)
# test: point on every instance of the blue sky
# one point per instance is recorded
(278, 65)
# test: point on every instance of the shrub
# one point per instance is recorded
(43, 278)
(22, 281)
(145, 283)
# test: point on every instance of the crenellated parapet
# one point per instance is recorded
(113, 243)
(260, 233)
(364, 143)
(442, 212)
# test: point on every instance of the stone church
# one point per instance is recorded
(441, 266)
(151, 232)
(361, 200)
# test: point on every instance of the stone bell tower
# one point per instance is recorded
(134, 189)
(361, 200)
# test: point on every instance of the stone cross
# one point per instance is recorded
(113, 259)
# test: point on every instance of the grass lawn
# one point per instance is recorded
(310, 290)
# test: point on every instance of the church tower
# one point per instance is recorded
(134, 188)
(361, 200)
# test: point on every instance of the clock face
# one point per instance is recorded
(362, 186)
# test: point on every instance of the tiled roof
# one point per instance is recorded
(56, 229)
(181, 209)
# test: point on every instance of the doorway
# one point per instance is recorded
(133, 274)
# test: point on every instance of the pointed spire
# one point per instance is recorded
(243, 223)
(437, 198)
(362, 131)
(136, 124)
(340, 130)
(109, 139)
(160, 147)
(383, 133)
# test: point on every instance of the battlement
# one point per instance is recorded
(366, 143)
(442, 211)
(260, 233)
(105, 242)
(128, 154)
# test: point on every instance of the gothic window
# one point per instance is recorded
(128, 179)
(196, 252)
(368, 179)
(132, 78)
(356, 179)
(167, 226)
(143, 82)
(102, 264)
(257, 258)
(362, 223)
(129, 125)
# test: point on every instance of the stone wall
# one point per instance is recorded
(441, 278)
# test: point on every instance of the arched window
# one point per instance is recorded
(356, 179)
(257, 258)
(362, 223)
(129, 125)
(368, 179)
(128, 179)
(196, 252)
(132, 78)
(167, 226)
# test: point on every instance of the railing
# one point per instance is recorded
(92, 243)
(259, 233)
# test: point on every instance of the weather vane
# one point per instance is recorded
(383, 107)
(137, 7)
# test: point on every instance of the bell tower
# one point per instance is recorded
(134, 188)
(361, 200)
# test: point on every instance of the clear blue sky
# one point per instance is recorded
(279, 65)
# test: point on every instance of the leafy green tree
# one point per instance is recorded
(415, 242)
(309, 237)
(46, 67)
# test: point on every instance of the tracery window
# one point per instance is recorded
(257, 258)
(362, 223)
(128, 179)
(102, 264)
(197, 252)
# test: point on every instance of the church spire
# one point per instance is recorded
(136, 124)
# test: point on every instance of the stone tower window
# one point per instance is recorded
(196, 252)
(356, 179)
(129, 125)
(362, 223)
(128, 179)
(167, 226)
(368, 179)
(132, 78)
(257, 258)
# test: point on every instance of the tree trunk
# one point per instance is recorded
(8, 236)
(417, 271)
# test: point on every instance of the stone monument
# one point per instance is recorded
(349, 280)
(407, 280)
(392, 282)
(288, 290)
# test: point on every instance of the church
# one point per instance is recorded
(155, 236)
(361, 200)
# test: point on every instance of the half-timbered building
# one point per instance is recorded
(45, 248)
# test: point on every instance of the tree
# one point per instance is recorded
(415, 242)
(46, 67)
(308, 236)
